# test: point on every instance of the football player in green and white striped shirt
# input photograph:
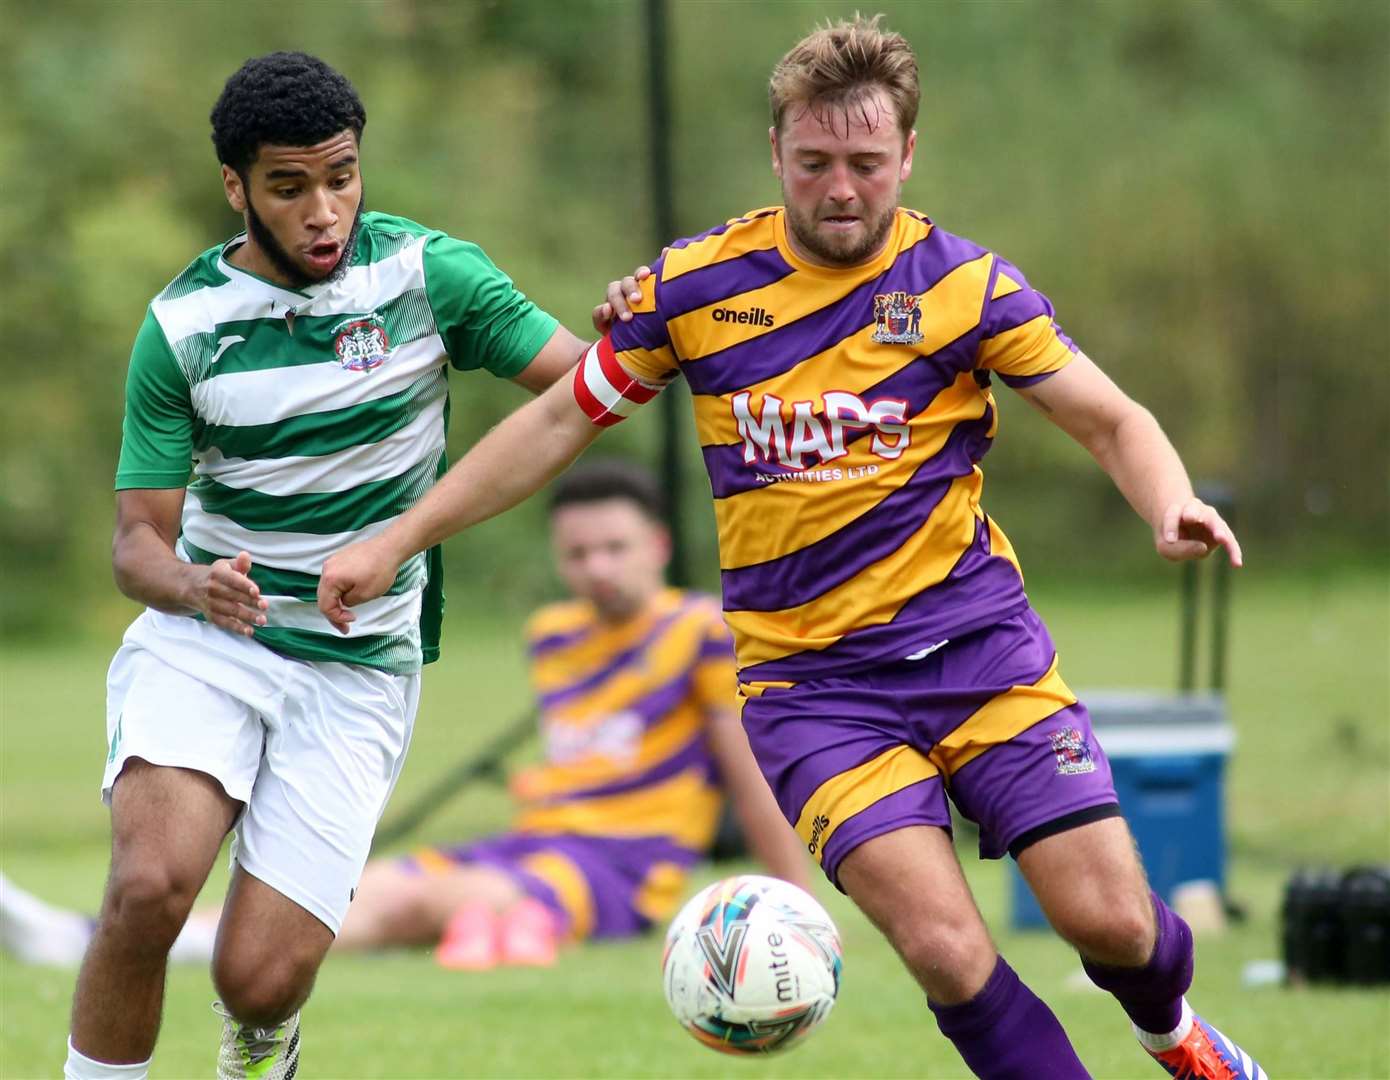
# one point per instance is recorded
(301, 369)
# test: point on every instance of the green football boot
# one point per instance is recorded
(249, 1053)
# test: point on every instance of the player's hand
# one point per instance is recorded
(621, 294)
(1193, 530)
(360, 572)
(227, 597)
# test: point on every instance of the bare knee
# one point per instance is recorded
(951, 961)
(147, 903)
(1118, 930)
(1091, 884)
(263, 990)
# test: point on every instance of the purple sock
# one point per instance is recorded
(1152, 994)
(1005, 1032)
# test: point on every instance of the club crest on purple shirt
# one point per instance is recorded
(897, 318)
(1072, 752)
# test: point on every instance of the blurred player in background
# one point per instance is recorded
(840, 352)
(301, 368)
(636, 690)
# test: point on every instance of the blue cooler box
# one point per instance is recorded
(1168, 754)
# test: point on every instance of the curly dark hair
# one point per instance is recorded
(609, 478)
(286, 98)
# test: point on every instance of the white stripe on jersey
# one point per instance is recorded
(420, 439)
(604, 391)
(200, 311)
(301, 552)
(361, 289)
(368, 287)
(242, 398)
(398, 614)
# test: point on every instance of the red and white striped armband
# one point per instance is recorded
(604, 390)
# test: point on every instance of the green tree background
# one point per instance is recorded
(1200, 187)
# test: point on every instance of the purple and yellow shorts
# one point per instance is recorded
(599, 886)
(985, 719)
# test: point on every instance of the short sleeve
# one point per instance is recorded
(1021, 340)
(715, 679)
(643, 345)
(157, 433)
(485, 320)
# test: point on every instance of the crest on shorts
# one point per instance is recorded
(897, 318)
(361, 343)
(1072, 752)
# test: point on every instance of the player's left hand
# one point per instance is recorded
(360, 572)
(621, 294)
(1193, 530)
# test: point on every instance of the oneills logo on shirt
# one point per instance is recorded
(757, 317)
(818, 828)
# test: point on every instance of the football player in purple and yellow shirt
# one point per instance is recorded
(841, 353)
(634, 684)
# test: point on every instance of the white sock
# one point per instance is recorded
(80, 1067)
(1160, 1043)
(195, 941)
(39, 933)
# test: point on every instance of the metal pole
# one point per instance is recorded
(1187, 630)
(1223, 500)
(673, 407)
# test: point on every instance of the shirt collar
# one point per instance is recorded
(278, 295)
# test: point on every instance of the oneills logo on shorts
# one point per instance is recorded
(818, 827)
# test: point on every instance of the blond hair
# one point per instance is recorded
(838, 66)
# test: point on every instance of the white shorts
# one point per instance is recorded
(312, 749)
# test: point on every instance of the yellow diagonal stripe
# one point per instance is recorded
(1002, 718)
(570, 885)
(844, 795)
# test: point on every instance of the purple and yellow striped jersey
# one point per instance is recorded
(842, 415)
(623, 717)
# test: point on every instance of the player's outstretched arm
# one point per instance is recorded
(148, 571)
(1129, 445)
(514, 460)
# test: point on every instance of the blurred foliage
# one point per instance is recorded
(1200, 188)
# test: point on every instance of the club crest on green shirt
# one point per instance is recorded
(361, 343)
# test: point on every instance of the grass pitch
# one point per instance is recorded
(1309, 784)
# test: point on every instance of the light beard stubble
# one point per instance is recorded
(837, 255)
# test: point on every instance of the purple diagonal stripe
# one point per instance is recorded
(1012, 311)
(979, 591)
(551, 642)
(721, 281)
(917, 382)
(716, 649)
(1018, 382)
(776, 352)
(1017, 308)
(647, 330)
(800, 576)
(695, 754)
(652, 707)
(597, 677)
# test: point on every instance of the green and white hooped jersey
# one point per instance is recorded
(314, 417)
